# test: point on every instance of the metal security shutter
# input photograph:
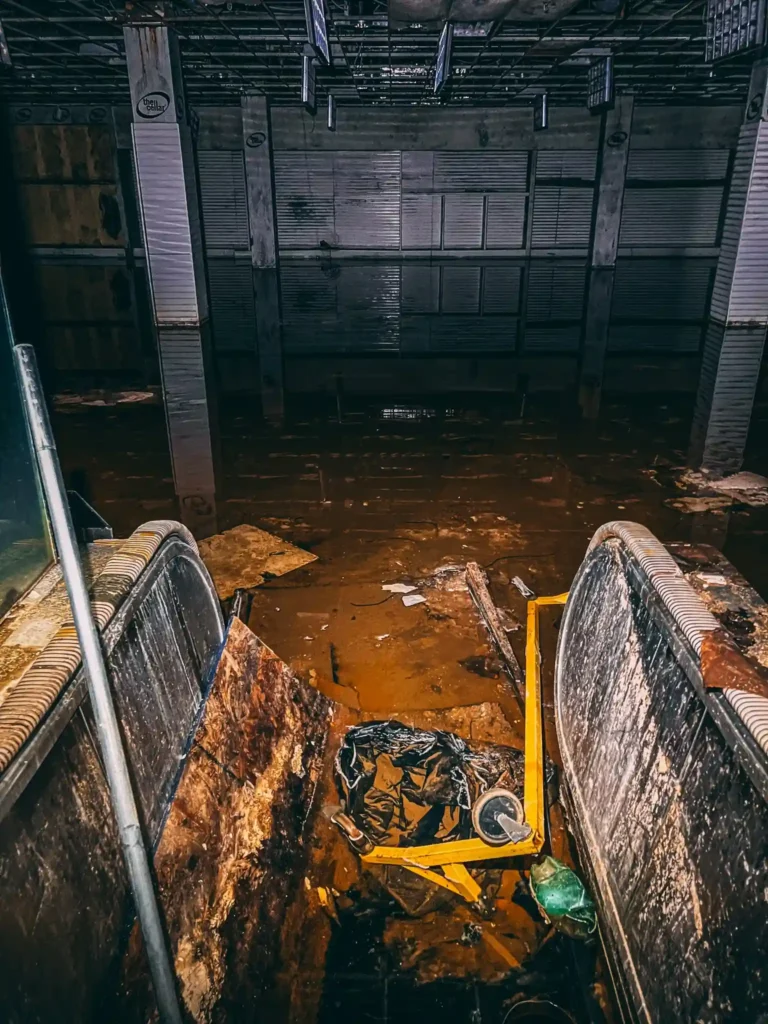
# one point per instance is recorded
(223, 199)
(682, 164)
(566, 163)
(356, 309)
(680, 338)
(662, 289)
(420, 288)
(463, 221)
(552, 339)
(233, 313)
(472, 334)
(684, 216)
(304, 199)
(367, 200)
(421, 221)
(480, 172)
(460, 290)
(501, 290)
(556, 290)
(505, 221)
(562, 217)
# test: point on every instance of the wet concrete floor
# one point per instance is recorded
(381, 498)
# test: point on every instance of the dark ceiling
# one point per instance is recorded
(71, 50)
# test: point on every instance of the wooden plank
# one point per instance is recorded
(477, 582)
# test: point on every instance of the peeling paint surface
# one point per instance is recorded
(232, 850)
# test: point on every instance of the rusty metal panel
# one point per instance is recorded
(63, 153)
(71, 215)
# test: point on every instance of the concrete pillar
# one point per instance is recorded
(170, 215)
(611, 175)
(738, 315)
(257, 147)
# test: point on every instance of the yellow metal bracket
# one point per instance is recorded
(451, 857)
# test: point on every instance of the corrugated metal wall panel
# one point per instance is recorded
(734, 214)
(367, 200)
(562, 217)
(657, 338)
(505, 221)
(671, 164)
(671, 216)
(463, 221)
(472, 335)
(304, 199)
(552, 339)
(420, 288)
(170, 224)
(501, 290)
(421, 221)
(233, 314)
(480, 172)
(460, 291)
(556, 290)
(566, 163)
(749, 290)
(662, 289)
(418, 170)
(354, 310)
(222, 198)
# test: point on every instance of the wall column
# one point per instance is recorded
(169, 209)
(257, 148)
(612, 172)
(738, 315)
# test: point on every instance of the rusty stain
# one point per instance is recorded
(725, 667)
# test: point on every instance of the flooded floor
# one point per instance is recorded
(390, 494)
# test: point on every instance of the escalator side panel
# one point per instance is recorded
(63, 889)
(672, 829)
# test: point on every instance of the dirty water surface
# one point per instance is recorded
(383, 502)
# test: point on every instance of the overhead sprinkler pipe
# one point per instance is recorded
(110, 740)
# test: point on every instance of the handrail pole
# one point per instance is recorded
(112, 750)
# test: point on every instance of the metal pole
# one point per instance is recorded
(113, 754)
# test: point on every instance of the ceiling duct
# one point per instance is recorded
(427, 11)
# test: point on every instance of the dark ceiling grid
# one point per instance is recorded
(658, 47)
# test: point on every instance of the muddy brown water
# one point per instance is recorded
(382, 501)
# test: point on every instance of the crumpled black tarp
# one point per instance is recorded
(408, 787)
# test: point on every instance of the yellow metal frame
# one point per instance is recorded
(451, 857)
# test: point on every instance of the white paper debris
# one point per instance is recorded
(383, 636)
(398, 588)
(411, 599)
